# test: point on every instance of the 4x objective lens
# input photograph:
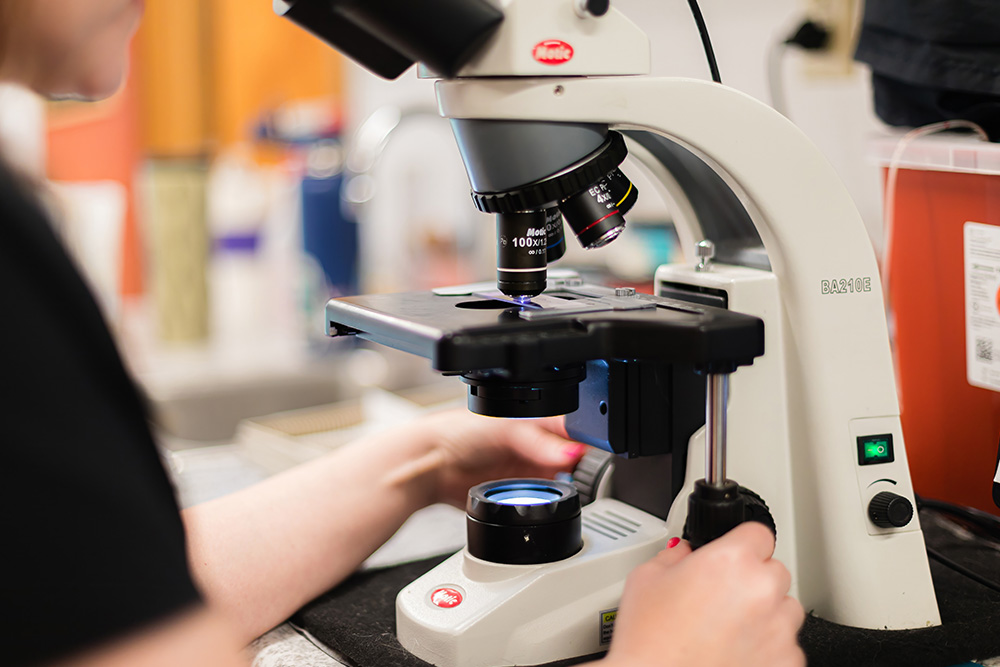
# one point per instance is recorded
(596, 214)
(623, 191)
(522, 255)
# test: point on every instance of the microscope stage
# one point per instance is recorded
(565, 325)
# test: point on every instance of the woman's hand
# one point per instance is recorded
(725, 604)
(455, 450)
(261, 553)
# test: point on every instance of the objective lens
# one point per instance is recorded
(521, 253)
(556, 247)
(595, 214)
(623, 191)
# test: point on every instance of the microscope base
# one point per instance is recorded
(467, 612)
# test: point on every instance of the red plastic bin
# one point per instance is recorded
(951, 426)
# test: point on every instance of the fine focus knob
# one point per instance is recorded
(890, 510)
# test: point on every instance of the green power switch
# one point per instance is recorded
(874, 449)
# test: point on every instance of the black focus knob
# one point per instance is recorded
(890, 510)
(597, 7)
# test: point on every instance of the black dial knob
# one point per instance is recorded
(585, 8)
(890, 510)
(597, 7)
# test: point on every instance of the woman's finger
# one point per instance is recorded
(677, 549)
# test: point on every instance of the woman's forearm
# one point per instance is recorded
(260, 554)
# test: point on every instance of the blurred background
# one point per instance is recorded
(246, 173)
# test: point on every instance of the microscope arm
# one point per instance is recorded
(838, 376)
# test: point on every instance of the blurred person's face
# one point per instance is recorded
(63, 48)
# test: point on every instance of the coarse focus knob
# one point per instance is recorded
(585, 8)
(890, 510)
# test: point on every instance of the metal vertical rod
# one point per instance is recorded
(716, 402)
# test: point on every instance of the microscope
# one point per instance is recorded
(546, 98)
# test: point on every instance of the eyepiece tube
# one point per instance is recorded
(521, 253)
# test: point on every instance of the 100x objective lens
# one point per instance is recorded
(522, 253)
(523, 521)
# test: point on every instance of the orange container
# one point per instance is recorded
(944, 278)
(94, 142)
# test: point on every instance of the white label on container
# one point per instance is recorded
(982, 305)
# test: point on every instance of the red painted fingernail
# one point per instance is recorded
(673, 542)
(574, 451)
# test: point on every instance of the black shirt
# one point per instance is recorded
(91, 541)
(934, 60)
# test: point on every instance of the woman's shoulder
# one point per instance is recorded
(22, 219)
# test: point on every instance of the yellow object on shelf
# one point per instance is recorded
(173, 49)
(261, 62)
(208, 69)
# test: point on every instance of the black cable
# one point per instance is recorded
(984, 521)
(947, 562)
(705, 40)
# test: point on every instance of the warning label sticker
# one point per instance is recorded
(608, 625)
(982, 305)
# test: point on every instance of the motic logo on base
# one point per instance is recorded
(552, 52)
(446, 597)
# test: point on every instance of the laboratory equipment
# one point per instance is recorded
(682, 382)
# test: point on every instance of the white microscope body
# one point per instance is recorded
(799, 419)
